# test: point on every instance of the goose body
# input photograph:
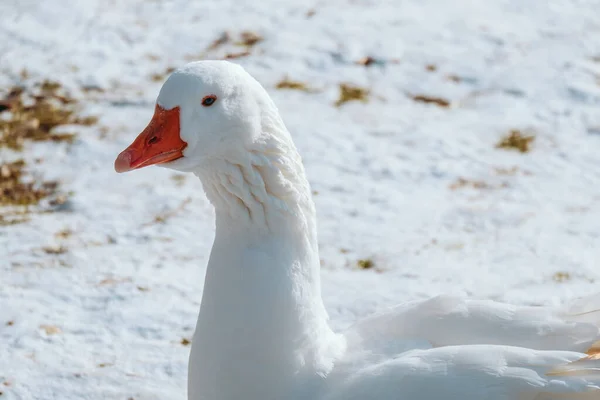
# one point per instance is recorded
(263, 332)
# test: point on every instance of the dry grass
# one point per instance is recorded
(366, 61)
(163, 217)
(233, 56)
(350, 92)
(366, 263)
(161, 76)
(507, 171)
(462, 183)
(8, 220)
(468, 183)
(287, 83)
(561, 277)
(19, 192)
(64, 233)
(249, 39)
(51, 329)
(431, 100)
(15, 191)
(245, 39)
(55, 250)
(34, 114)
(113, 281)
(516, 140)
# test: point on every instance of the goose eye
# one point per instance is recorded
(209, 100)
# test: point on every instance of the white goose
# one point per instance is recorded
(262, 331)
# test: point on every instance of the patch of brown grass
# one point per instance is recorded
(462, 183)
(233, 56)
(88, 89)
(516, 140)
(431, 100)
(19, 192)
(64, 233)
(8, 220)
(227, 43)
(507, 171)
(161, 76)
(249, 39)
(366, 61)
(34, 114)
(16, 192)
(113, 281)
(55, 250)
(163, 217)
(561, 277)
(350, 92)
(287, 83)
(51, 329)
(366, 263)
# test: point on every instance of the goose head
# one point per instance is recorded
(205, 110)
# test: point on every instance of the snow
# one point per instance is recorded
(128, 289)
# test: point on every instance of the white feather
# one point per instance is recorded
(262, 331)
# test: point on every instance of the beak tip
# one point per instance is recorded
(123, 162)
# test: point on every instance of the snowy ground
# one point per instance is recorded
(106, 319)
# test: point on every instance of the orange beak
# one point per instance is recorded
(158, 143)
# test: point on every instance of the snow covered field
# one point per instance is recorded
(99, 301)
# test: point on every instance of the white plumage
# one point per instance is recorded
(262, 331)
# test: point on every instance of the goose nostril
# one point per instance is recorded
(153, 140)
